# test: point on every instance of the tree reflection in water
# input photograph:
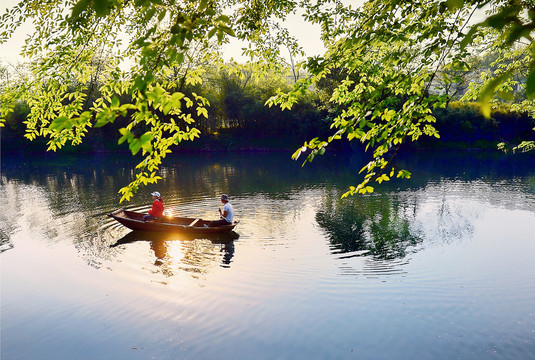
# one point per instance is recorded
(368, 225)
(5, 243)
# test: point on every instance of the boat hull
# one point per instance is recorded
(134, 220)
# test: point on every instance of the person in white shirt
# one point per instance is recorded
(226, 215)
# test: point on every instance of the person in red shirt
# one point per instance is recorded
(157, 207)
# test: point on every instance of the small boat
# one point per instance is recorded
(134, 220)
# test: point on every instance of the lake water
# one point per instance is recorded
(441, 266)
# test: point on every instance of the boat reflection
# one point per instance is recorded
(189, 252)
(134, 236)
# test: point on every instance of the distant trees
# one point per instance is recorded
(238, 117)
(239, 120)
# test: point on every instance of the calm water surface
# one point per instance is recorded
(437, 267)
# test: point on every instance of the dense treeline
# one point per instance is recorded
(239, 120)
(462, 126)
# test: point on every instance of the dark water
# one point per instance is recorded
(440, 266)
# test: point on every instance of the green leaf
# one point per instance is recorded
(80, 7)
(150, 13)
(166, 107)
(146, 137)
(135, 146)
(228, 30)
(115, 103)
(149, 78)
(102, 118)
(487, 93)
(530, 84)
(145, 141)
(454, 4)
(469, 37)
(211, 33)
(202, 111)
(504, 17)
(176, 99)
(60, 123)
(518, 31)
(101, 7)
(127, 135)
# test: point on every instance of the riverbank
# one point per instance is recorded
(461, 127)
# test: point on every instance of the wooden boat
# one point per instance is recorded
(134, 220)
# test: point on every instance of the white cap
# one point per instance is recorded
(156, 193)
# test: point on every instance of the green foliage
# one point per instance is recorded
(376, 81)
(462, 126)
(388, 56)
(75, 83)
(383, 99)
(513, 21)
(238, 118)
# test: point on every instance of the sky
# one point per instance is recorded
(9, 51)
(307, 34)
